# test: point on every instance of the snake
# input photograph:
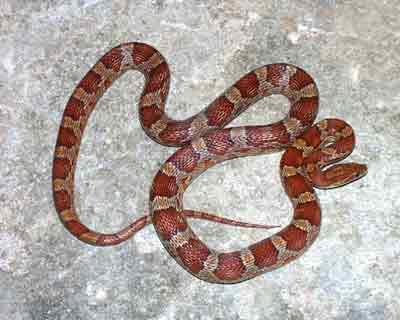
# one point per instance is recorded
(203, 140)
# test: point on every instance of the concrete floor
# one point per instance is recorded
(352, 50)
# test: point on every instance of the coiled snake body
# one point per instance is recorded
(205, 142)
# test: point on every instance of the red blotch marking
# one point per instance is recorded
(66, 137)
(265, 253)
(305, 110)
(164, 186)
(295, 238)
(112, 59)
(296, 185)
(219, 112)
(345, 145)
(313, 158)
(230, 266)
(312, 136)
(149, 115)
(193, 254)
(300, 80)
(61, 168)
(62, 200)
(185, 159)
(309, 211)
(248, 85)
(74, 109)
(168, 222)
(335, 124)
(76, 228)
(90, 83)
(291, 157)
(142, 52)
(157, 77)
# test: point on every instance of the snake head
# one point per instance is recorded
(337, 141)
(339, 175)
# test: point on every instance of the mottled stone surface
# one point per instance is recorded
(352, 50)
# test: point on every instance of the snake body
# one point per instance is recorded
(204, 142)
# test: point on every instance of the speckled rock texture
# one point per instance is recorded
(352, 50)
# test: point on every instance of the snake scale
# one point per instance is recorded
(204, 141)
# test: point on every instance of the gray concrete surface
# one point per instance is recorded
(352, 50)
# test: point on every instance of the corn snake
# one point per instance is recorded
(204, 142)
